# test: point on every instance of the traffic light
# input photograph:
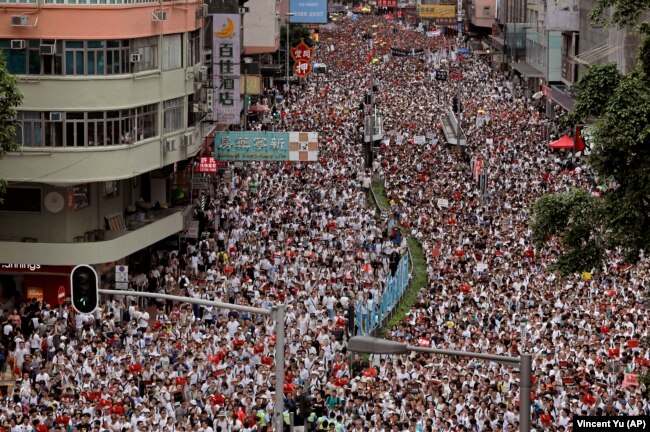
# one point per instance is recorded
(362, 107)
(84, 287)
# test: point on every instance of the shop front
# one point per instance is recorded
(19, 282)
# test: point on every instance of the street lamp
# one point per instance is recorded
(367, 344)
(287, 23)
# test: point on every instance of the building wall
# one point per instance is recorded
(61, 166)
(625, 39)
(484, 13)
(511, 11)
(562, 15)
(64, 226)
(90, 21)
(261, 27)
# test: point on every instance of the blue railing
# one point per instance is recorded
(368, 318)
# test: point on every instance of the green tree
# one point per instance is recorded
(620, 13)
(10, 98)
(575, 218)
(596, 87)
(618, 108)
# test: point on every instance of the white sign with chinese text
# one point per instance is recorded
(226, 102)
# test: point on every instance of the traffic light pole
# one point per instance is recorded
(277, 313)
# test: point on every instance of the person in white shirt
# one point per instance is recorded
(143, 320)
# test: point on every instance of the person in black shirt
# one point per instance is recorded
(84, 425)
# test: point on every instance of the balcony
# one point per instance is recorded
(74, 165)
(99, 246)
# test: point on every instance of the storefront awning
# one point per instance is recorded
(562, 98)
(496, 42)
(527, 70)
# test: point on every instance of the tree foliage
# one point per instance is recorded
(575, 218)
(596, 87)
(10, 98)
(619, 13)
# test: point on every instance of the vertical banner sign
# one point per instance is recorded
(308, 11)
(226, 102)
(302, 55)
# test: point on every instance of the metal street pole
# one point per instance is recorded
(460, 109)
(287, 27)
(277, 313)
(242, 12)
(373, 345)
(278, 407)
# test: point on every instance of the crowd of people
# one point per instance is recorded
(304, 234)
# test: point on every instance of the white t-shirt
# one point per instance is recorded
(143, 319)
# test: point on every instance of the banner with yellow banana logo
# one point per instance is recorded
(226, 42)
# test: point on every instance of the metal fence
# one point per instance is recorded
(371, 315)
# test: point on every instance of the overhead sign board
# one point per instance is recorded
(266, 146)
(308, 11)
(250, 84)
(438, 11)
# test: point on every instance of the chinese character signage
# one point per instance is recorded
(266, 146)
(444, 12)
(209, 165)
(226, 101)
(302, 55)
(387, 3)
(308, 11)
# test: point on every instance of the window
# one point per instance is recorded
(87, 129)
(29, 129)
(148, 50)
(22, 199)
(192, 117)
(194, 48)
(173, 115)
(75, 129)
(94, 57)
(172, 55)
(147, 122)
(51, 65)
(117, 57)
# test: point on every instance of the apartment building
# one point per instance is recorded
(112, 107)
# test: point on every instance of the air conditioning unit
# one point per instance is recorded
(188, 140)
(18, 44)
(56, 116)
(170, 145)
(202, 11)
(48, 49)
(159, 15)
(19, 20)
(202, 74)
(135, 57)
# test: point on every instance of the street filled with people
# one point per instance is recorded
(308, 236)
